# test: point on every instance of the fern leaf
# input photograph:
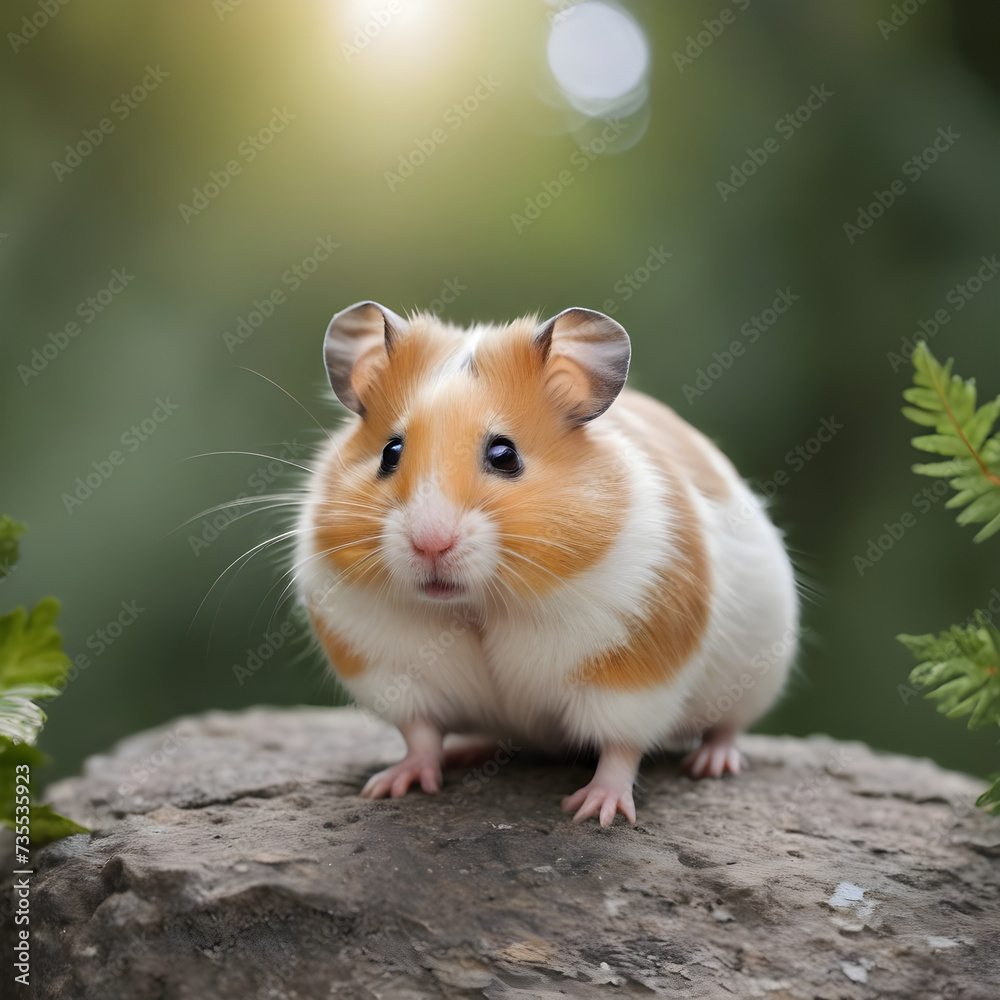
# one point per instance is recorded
(962, 432)
(960, 671)
(941, 470)
(991, 529)
(991, 797)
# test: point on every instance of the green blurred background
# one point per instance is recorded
(350, 106)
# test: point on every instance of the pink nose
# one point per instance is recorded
(433, 546)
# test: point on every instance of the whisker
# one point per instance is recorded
(247, 556)
(540, 541)
(279, 540)
(298, 402)
(293, 569)
(544, 569)
(253, 454)
(286, 502)
(328, 503)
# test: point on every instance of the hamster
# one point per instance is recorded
(517, 546)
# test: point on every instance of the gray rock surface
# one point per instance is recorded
(233, 858)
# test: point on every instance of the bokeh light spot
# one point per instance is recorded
(598, 55)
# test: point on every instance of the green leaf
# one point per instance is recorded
(31, 648)
(991, 529)
(939, 470)
(10, 530)
(20, 718)
(960, 671)
(947, 403)
(33, 666)
(920, 416)
(991, 797)
(983, 508)
(47, 826)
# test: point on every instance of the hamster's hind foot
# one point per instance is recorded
(461, 752)
(396, 781)
(716, 755)
(422, 763)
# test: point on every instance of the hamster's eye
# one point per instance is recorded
(502, 456)
(390, 456)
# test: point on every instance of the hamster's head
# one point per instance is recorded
(472, 471)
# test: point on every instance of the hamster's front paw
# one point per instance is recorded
(602, 800)
(609, 792)
(396, 780)
(716, 755)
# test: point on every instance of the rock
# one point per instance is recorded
(233, 858)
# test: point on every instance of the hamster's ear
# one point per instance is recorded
(356, 338)
(586, 357)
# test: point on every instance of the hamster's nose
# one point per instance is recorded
(432, 545)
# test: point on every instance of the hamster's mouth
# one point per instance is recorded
(440, 589)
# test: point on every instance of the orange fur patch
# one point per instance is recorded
(663, 639)
(674, 442)
(345, 659)
(671, 630)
